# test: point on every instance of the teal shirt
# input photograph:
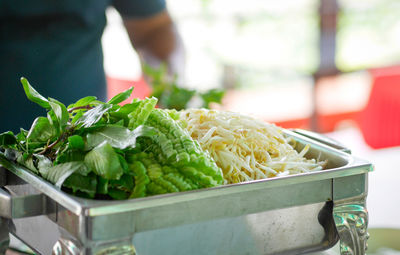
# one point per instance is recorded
(56, 45)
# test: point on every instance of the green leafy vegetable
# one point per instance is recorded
(57, 174)
(121, 96)
(7, 139)
(83, 102)
(93, 116)
(86, 184)
(75, 142)
(212, 96)
(171, 95)
(60, 112)
(103, 150)
(41, 130)
(104, 161)
(33, 95)
(117, 136)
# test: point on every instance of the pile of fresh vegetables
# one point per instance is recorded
(172, 96)
(103, 150)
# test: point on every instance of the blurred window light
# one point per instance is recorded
(368, 34)
(260, 41)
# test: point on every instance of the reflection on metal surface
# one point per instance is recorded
(65, 247)
(4, 235)
(271, 232)
(117, 250)
(351, 223)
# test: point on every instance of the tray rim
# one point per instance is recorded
(92, 208)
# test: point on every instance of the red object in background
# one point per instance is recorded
(115, 86)
(380, 120)
(326, 122)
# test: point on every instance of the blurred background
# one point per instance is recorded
(325, 65)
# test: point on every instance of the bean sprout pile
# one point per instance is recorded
(246, 148)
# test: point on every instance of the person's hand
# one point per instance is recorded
(157, 41)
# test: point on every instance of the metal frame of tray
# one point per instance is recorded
(285, 215)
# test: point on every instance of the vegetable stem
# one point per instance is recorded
(87, 107)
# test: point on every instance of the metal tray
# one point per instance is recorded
(285, 215)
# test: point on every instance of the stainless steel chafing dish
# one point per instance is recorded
(285, 215)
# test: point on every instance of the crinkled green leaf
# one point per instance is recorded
(60, 112)
(104, 161)
(118, 137)
(93, 115)
(121, 96)
(33, 95)
(41, 130)
(7, 139)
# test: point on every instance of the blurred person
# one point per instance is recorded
(56, 45)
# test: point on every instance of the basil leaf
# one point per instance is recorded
(104, 161)
(28, 163)
(212, 96)
(121, 96)
(21, 136)
(44, 164)
(12, 154)
(118, 194)
(57, 174)
(122, 112)
(41, 130)
(83, 101)
(125, 183)
(77, 116)
(102, 185)
(86, 184)
(53, 120)
(118, 137)
(7, 139)
(124, 164)
(128, 108)
(94, 115)
(33, 95)
(60, 112)
(177, 97)
(69, 155)
(76, 142)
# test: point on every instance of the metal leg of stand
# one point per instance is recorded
(351, 221)
(4, 235)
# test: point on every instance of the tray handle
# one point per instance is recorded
(19, 206)
(13, 207)
(322, 139)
